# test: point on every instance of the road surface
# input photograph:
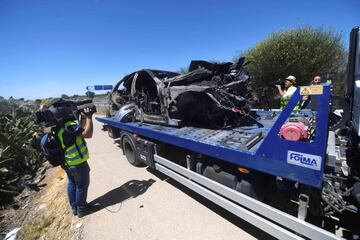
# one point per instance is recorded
(138, 203)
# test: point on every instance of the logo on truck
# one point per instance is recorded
(304, 160)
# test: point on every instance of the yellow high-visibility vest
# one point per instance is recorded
(74, 155)
(285, 100)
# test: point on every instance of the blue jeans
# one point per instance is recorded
(78, 184)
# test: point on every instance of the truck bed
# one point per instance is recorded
(259, 148)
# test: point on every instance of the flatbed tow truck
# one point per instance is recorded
(288, 189)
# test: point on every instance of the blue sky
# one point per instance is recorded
(54, 47)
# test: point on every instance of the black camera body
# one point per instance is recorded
(81, 105)
(62, 111)
(280, 82)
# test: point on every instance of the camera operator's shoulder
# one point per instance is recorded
(75, 129)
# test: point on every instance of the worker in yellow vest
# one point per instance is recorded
(76, 153)
(286, 94)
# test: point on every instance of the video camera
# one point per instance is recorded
(280, 82)
(62, 111)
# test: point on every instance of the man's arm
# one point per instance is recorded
(305, 98)
(281, 92)
(88, 129)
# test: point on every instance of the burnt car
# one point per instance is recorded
(210, 95)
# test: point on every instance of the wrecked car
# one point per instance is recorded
(210, 95)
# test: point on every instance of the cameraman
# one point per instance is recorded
(76, 166)
(286, 94)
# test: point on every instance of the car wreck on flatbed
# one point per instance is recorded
(210, 95)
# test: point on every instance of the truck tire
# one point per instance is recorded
(113, 132)
(129, 149)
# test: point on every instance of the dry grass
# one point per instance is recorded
(37, 228)
(54, 219)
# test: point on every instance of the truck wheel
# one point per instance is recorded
(113, 132)
(129, 149)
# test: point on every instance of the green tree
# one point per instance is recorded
(64, 96)
(90, 94)
(303, 52)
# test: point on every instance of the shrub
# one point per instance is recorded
(18, 158)
(303, 52)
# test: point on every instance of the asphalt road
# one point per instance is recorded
(137, 203)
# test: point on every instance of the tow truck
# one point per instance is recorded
(293, 174)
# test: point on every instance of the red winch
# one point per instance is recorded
(295, 130)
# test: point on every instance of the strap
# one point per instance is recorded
(77, 148)
(64, 129)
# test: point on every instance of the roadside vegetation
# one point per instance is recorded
(36, 228)
(303, 52)
(19, 159)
